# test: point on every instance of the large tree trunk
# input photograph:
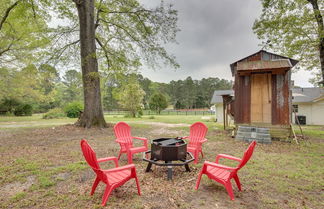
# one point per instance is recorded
(92, 115)
(320, 28)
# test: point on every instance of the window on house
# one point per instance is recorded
(295, 108)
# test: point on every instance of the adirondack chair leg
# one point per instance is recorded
(108, 190)
(94, 186)
(229, 189)
(238, 183)
(138, 186)
(202, 154)
(198, 180)
(119, 154)
(130, 158)
(196, 156)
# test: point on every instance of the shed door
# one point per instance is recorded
(261, 98)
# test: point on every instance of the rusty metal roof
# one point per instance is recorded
(264, 64)
(265, 55)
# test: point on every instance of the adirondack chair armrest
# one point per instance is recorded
(204, 140)
(140, 138)
(143, 139)
(120, 141)
(126, 167)
(207, 163)
(227, 157)
(107, 159)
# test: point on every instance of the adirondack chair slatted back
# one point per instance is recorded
(198, 132)
(247, 155)
(123, 132)
(91, 159)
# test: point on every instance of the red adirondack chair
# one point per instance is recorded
(196, 138)
(114, 177)
(223, 174)
(125, 139)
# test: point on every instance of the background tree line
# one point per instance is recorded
(44, 89)
(181, 94)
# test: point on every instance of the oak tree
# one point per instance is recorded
(116, 36)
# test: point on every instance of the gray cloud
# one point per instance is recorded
(214, 33)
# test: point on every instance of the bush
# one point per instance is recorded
(73, 109)
(151, 117)
(139, 113)
(8, 105)
(54, 113)
(23, 110)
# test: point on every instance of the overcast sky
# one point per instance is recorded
(214, 34)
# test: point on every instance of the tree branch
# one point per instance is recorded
(125, 30)
(4, 18)
(128, 12)
(98, 13)
(104, 49)
(6, 49)
(61, 50)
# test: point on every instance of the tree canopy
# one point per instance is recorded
(23, 32)
(295, 29)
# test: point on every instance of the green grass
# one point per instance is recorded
(279, 175)
(18, 196)
(36, 120)
(310, 131)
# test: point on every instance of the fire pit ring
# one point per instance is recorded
(168, 150)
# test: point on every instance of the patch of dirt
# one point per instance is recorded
(62, 176)
(168, 125)
(166, 132)
(16, 187)
(31, 124)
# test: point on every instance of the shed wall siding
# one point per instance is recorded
(280, 99)
(242, 99)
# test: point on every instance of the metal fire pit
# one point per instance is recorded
(168, 150)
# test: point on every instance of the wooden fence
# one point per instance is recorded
(165, 112)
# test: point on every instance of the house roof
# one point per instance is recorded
(303, 95)
(217, 96)
(300, 95)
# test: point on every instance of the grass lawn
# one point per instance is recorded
(41, 166)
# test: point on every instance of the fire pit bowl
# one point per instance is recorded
(168, 150)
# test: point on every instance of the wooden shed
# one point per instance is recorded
(262, 91)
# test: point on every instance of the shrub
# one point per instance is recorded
(151, 117)
(8, 106)
(73, 109)
(23, 110)
(54, 113)
(139, 113)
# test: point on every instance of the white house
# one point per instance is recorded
(308, 103)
